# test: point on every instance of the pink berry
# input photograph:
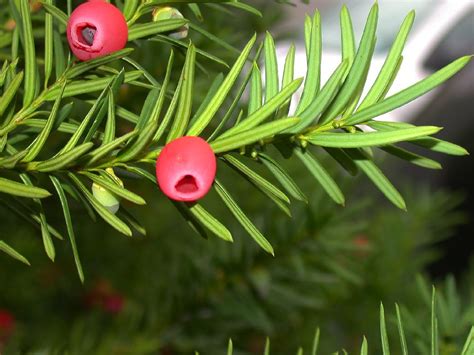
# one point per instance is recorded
(186, 168)
(96, 28)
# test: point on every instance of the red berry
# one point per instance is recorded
(7, 323)
(113, 304)
(96, 28)
(186, 168)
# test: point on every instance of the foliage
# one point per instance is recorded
(54, 152)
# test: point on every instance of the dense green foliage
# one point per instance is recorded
(65, 124)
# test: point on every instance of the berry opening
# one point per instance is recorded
(187, 185)
(86, 34)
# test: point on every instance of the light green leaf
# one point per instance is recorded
(267, 347)
(214, 38)
(152, 28)
(18, 189)
(206, 116)
(260, 182)
(36, 146)
(391, 65)
(109, 217)
(69, 227)
(30, 56)
(356, 74)
(288, 76)
(368, 139)
(174, 42)
(411, 157)
(61, 161)
(216, 83)
(383, 332)
(431, 143)
(243, 219)
(183, 114)
(253, 135)
(321, 175)
(59, 55)
(244, 7)
(271, 68)
(365, 164)
(322, 100)
(79, 87)
(45, 228)
(109, 132)
(255, 100)
(10, 92)
(364, 348)
(232, 108)
(143, 140)
(401, 332)
(13, 253)
(210, 222)
(409, 94)
(48, 45)
(115, 188)
(434, 325)
(347, 36)
(83, 67)
(283, 177)
(265, 111)
(313, 77)
(314, 349)
(154, 103)
(75, 138)
(468, 348)
(57, 13)
(129, 8)
(108, 148)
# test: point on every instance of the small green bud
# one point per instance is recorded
(105, 197)
(166, 13)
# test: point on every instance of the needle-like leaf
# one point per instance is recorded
(70, 230)
(243, 219)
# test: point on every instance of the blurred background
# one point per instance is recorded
(172, 292)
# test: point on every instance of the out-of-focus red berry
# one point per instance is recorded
(113, 304)
(7, 323)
